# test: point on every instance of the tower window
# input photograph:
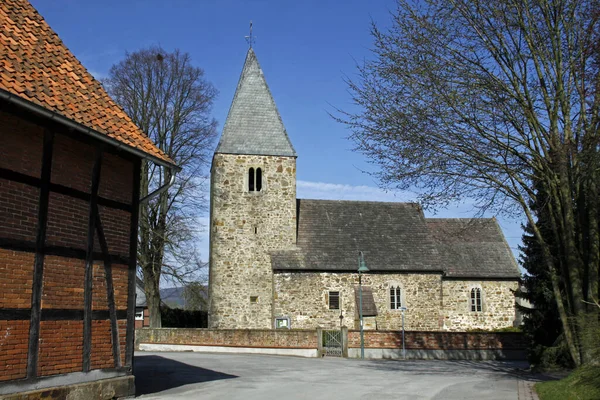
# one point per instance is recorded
(251, 180)
(476, 300)
(258, 179)
(254, 180)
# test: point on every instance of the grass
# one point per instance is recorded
(581, 384)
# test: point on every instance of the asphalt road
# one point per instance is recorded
(189, 375)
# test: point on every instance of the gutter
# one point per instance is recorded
(54, 116)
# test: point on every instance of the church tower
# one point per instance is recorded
(253, 205)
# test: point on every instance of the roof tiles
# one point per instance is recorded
(36, 66)
(253, 124)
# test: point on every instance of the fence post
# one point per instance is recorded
(320, 342)
(345, 341)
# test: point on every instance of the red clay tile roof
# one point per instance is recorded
(36, 66)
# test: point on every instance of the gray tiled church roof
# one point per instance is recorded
(253, 125)
(473, 247)
(394, 237)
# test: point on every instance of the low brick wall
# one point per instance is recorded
(440, 345)
(249, 338)
(439, 340)
(378, 344)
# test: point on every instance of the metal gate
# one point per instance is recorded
(332, 343)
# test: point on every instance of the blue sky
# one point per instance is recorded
(305, 49)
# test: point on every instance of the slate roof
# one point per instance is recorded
(369, 308)
(253, 125)
(473, 247)
(394, 237)
(36, 66)
(140, 293)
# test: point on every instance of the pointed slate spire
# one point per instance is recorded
(253, 125)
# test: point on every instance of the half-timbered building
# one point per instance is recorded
(70, 162)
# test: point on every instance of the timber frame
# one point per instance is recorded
(94, 230)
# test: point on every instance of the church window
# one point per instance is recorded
(395, 297)
(254, 180)
(476, 300)
(334, 300)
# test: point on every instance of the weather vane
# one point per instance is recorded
(250, 38)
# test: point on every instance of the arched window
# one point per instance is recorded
(258, 179)
(476, 300)
(251, 180)
(395, 298)
(254, 180)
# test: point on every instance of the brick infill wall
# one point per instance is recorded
(248, 338)
(439, 340)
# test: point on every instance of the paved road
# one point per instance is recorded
(226, 376)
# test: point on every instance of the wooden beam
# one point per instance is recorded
(56, 188)
(110, 292)
(133, 240)
(61, 251)
(57, 314)
(89, 263)
(38, 264)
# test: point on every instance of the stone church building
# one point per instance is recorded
(278, 261)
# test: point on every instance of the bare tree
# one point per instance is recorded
(491, 100)
(170, 100)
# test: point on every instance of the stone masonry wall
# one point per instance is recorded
(245, 226)
(303, 298)
(498, 301)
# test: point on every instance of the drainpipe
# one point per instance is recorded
(161, 189)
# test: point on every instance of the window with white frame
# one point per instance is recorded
(254, 180)
(139, 314)
(395, 297)
(476, 304)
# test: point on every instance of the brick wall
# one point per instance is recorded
(61, 341)
(438, 340)
(265, 338)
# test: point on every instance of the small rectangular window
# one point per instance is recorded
(253, 299)
(334, 300)
(139, 315)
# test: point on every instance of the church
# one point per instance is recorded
(281, 262)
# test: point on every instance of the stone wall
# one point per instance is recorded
(498, 301)
(245, 226)
(281, 338)
(303, 298)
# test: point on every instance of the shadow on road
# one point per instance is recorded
(155, 374)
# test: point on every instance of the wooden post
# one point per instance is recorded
(38, 266)
(110, 292)
(89, 263)
(133, 238)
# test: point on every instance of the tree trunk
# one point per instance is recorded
(153, 301)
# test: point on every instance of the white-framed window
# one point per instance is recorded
(255, 181)
(476, 302)
(333, 299)
(395, 297)
(139, 314)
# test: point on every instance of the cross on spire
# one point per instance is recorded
(250, 38)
